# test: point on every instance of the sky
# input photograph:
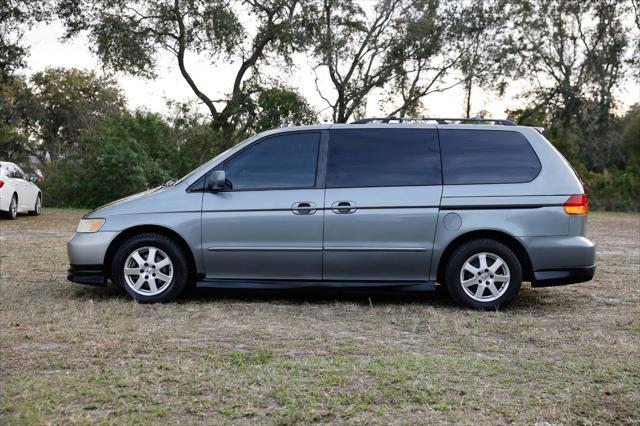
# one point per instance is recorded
(47, 50)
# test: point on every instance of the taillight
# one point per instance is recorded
(1, 184)
(577, 204)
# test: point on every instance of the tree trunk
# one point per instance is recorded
(467, 102)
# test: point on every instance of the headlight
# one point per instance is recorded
(90, 225)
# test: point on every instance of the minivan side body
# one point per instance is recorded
(357, 205)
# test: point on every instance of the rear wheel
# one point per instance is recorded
(150, 268)
(37, 207)
(13, 208)
(483, 274)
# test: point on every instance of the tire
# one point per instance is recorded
(150, 281)
(13, 208)
(489, 284)
(37, 208)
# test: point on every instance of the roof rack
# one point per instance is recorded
(474, 120)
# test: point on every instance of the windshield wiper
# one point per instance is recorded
(169, 183)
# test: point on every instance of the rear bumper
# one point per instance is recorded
(5, 201)
(553, 277)
(87, 274)
(559, 253)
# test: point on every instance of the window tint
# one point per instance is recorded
(19, 174)
(383, 157)
(283, 161)
(487, 156)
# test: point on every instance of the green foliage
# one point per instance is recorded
(17, 104)
(15, 18)
(69, 102)
(195, 137)
(614, 189)
(126, 154)
(128, 37)
(631, 140)
(279, 107)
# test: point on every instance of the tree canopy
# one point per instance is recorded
(564, 64)
(127, 35)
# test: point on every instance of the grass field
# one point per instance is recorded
(76, 354)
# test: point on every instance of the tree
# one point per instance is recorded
(630, 138)
(280, 107)
(424, 54)
(351, 47)
(404, 49)
(123, 154)
(572, 54)
(69, 101)
(634, 62)
(483, 38)
(17, 110)
(127, 35)
(195, 138)
(15, 17)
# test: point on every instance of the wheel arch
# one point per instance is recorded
(142, 229)
(509, 240)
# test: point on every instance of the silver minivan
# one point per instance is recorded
(478, 206)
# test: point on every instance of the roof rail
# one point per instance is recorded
(475, 120)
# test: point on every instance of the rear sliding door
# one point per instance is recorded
(383, 189)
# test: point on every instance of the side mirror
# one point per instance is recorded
(33, 178)
(216, 181)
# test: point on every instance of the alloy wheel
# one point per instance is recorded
(148, 271)
(485, 277)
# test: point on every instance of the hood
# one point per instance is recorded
(131, 204)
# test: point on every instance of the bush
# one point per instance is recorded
(126, 154)
(614, 189)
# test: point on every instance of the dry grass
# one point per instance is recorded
(76, 354)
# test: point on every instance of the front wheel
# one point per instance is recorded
(151, 268)
(483, 274)
(37, 208)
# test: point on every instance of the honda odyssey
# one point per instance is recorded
(478, 206)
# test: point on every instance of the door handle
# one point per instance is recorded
(304, 207)
(343, 207)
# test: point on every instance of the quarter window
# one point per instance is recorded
(19, 174)
(279, 162)
(14, 173)
(486, 157)
(383, 157)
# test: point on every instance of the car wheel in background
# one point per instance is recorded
(38, 207)
(483, 274)
(150, 267)
(13, 208)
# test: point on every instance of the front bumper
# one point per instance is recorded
(89, 248)
(86, 253)
(553, 277)
(87, 274)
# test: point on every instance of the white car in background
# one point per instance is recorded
(18, 194)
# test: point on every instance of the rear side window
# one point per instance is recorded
(383, 157)
(279, 162)
(487, 156)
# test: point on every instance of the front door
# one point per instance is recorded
(383, 190)
(268, 223)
